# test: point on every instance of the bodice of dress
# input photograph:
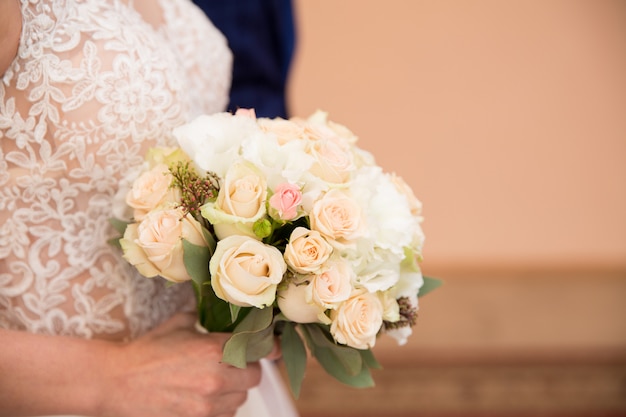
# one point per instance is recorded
(94, 85)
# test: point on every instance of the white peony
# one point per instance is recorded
(214, 141)
(390, 221)
(288, 162)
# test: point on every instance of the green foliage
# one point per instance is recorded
(294, 356)
(120, 227)
(430, 284)
(196, 259)
(253, 329)
(252, 339)
(344, 363)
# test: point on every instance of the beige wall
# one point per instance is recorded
(508, 118)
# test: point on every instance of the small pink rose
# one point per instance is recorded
(246, 113)
(286, 199)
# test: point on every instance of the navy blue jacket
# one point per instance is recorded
(261, 35)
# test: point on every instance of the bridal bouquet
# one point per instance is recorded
(284, 227)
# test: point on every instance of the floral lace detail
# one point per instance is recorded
(94, 85)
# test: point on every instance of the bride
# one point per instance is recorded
(87, 87)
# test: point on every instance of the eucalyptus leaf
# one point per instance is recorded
(348, 357)
(260, 344)
(196, 259)
(430, 284)
(214, 313)
(234, 312)
(115, 242)
(369, 360)
(333, 365)
(294, 357)
(253, 329)
(210, 239)
(119, 225)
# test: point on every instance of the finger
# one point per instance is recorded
(227, 404)
(240, 380)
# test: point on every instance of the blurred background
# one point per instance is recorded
(508, 119)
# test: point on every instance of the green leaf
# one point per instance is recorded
(369, 360)
(260, 344)
(252, 339)
(332, 364)
(210, 239)
(234, 312)
(213, 312)
(294, 357)
(350, 358)
(196, 259)
(118, 225)
(430, 284)
(336, 360)
(115, 242)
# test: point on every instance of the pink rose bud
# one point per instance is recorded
(286, 199)
(246, 113)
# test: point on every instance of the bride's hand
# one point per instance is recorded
(173, 371)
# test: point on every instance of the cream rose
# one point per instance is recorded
(357, 321)
(337, 216)
(151, 190)
(162, 155)
(334, 163)
(240, 202)
(246, 272)
(293, 304)
(284, 130)
(332, 286)
(307, 250)
(327, 128)
(155, 245)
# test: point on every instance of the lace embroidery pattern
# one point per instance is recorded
(94, 85)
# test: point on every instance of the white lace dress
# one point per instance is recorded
(94, 85)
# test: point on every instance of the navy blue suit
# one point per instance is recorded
(262, 37)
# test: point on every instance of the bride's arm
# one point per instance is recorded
(10, 28)
(37, 372)
(170, 372)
